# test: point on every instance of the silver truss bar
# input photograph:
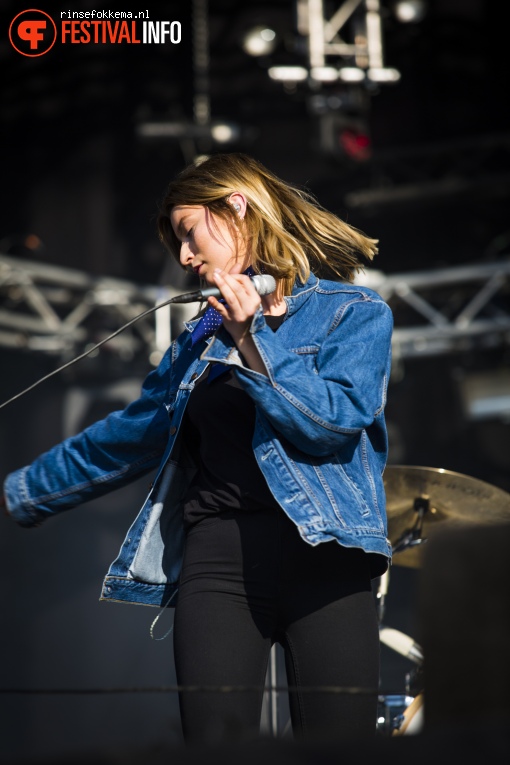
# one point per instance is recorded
(386, 285)
(339, 18)
(419, 304)
(441, 332)
(73, 296)
(324, 40)
(316, 47)
(493, 286)
(434, 341)
(45, 308)
(374, 34)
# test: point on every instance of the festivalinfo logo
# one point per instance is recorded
(33, 32)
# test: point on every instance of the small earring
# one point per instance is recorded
(236, 207)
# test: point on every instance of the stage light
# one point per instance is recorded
(410, 11)
(288, 73)
(351, 74)
(383, 74)
(345, 136)
(355, 143)
(221, 132)
(324, 73)
(260, 41)
(225, 132)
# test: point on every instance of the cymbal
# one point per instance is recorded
(454, 499)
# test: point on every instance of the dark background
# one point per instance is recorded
(76, 174)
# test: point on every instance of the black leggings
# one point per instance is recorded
(248, 581)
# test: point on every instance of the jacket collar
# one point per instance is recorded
(301, 293)
(190, 325)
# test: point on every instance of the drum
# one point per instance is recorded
(412, 718)
(390, 712)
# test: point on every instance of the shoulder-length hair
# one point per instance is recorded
(287, 231)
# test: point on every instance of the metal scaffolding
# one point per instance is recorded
(53, 310)
(446, 310)
(326, 47)
(61, 311)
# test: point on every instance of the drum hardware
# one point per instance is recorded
(411, 719)
(419, 501)
(390, 712)
(422, 500)
(382, 591)
(413, 536)
(393, 712)
(414, 681)
(402, 644)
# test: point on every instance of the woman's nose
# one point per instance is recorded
(185, 255)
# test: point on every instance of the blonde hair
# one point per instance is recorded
(287, 231)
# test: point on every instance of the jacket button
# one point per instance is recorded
(193, 376)
(173, 430)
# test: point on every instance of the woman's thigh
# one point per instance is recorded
(330, 634)
(222, 636)
(217, 645)
(249, 580)
(336, 646)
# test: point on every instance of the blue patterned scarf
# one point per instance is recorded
(212, 319)
(207, 326)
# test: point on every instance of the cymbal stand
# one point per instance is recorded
(382, 591)
(413, 536)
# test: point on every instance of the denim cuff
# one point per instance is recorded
(14, 488)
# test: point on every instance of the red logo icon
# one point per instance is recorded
(32, 33)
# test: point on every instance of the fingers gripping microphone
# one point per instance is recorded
(263, 283)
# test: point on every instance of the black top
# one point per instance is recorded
(218, 429)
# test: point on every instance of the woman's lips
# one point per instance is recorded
(197, 269)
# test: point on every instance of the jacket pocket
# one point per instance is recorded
(350, 496)
(309, 355)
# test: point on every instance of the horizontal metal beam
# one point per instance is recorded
(57, 310)
(482, 304)
(70, 298)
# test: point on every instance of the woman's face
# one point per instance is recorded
(206, 241)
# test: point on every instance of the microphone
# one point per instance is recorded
(263, 283)
(402, 644)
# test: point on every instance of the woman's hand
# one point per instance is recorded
(242, 302)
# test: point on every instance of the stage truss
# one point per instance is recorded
(48, 309)
(447, 310)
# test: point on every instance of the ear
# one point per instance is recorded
(239, 203)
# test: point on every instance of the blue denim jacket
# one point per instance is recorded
(320, 437)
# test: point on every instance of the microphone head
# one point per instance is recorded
(264, 284)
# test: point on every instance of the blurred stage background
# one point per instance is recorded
(91, 136)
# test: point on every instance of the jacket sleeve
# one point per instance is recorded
(104, 456)
(318, 409)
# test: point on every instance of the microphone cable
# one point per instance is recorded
(87, 352)
(263, 284)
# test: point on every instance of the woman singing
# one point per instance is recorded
(265, 420)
